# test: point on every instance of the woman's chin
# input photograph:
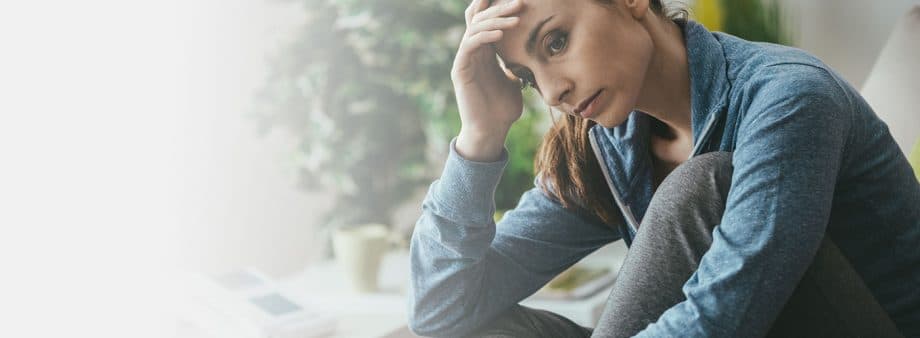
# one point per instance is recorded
(609, 119)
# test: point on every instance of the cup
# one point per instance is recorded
(358, 252)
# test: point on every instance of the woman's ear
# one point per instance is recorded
(637, 8)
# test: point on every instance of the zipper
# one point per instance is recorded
(624, 208)
(706, 131)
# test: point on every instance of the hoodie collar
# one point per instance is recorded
(709, 83)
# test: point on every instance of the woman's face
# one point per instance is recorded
(576, 52)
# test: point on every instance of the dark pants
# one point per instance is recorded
(831, 300)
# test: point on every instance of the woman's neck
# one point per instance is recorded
(665, 93)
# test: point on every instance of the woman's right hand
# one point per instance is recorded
(489, 100)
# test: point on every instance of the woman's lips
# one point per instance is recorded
(589, 109)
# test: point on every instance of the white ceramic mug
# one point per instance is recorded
(358, 251)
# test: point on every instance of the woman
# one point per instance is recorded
(796, 213)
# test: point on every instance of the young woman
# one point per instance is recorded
(795, 214)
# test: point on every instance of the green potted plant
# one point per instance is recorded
(365, 86)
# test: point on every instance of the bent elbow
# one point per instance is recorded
(428, 323)
(432, 321)
(420, 328)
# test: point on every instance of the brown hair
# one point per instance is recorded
(566, 164)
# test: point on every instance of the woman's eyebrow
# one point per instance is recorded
(532, 38)
(529, 45)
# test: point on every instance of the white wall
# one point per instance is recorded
(846, 34)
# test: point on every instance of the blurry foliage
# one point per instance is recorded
(754, 20)
(365, 85)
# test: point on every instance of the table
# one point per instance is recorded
(384, 313)
(585, 312)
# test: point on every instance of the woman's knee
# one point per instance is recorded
(701, 178)
(691, 198)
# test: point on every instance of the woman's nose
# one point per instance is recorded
(557, 91)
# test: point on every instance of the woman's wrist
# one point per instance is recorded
(478, 146)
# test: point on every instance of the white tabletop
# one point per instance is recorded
(381, 313)
(359, 314)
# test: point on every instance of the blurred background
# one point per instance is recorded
(147, 141)
(339, 112)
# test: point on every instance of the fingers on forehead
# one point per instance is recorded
(503, 3)
(476, 6)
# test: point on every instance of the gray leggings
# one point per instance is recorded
(831, 300)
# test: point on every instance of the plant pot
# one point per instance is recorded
(358, 252)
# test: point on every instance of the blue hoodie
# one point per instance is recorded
(810, 158)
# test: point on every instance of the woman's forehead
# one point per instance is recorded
(532, 13)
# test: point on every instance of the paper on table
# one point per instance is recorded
(579, 281)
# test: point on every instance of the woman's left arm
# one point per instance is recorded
(787, 156)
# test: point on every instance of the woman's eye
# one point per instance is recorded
(557, 43)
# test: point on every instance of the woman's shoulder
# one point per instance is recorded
(749, 61)
(758, 68)
(772, 82)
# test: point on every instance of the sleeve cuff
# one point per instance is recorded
(467, 188)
